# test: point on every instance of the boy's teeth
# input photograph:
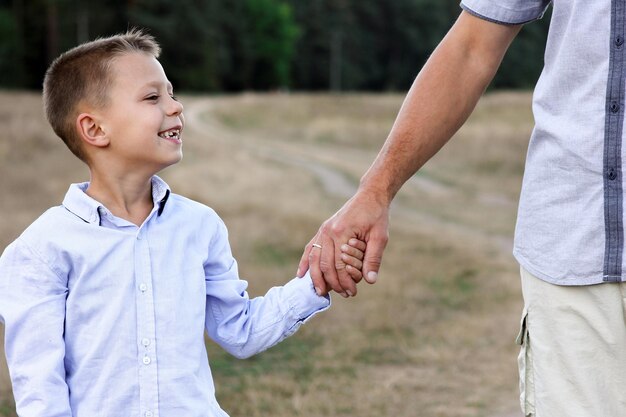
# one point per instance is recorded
(170, 134)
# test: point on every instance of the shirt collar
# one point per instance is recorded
(82, 205)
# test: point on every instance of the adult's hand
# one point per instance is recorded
(363, 217)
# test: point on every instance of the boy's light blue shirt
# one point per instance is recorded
(104, 318)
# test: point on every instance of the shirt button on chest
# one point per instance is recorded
(143, 287)
(145, 341)
(148, 414)
(619, 41)
(614, 107)
(611, 174)
(146, 360)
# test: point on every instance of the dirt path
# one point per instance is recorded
(314, 159)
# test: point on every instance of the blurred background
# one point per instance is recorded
(287, 103)
(227, 46)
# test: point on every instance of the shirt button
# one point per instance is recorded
(611, 175)
(619, 40)
(614, 107)
(145, 341)
(143, 287)
(146, 360)
(148, 414)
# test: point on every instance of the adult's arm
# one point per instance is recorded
(440, 100)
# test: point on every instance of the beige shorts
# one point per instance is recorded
(572, 360)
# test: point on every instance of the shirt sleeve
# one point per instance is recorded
(509, 12)
(32, 308)
(244, 326)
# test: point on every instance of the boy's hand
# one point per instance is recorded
(352, 254)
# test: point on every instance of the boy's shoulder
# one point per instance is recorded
(191, 209)
(189, 204)
(51, 222)
(47, 228)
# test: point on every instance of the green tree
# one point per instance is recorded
(257, 39)
(220, 45)
(374, 45)
(272, 33)
(11, 63)
(214, 45)
(186, 32)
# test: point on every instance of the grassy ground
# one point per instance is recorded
(434, 337)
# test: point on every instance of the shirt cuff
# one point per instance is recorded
(303, 300)
(497, 12)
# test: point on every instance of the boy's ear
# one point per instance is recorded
(90, 130)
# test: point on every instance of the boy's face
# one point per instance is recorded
(143, 120)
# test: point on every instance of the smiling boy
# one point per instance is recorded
(106, 298)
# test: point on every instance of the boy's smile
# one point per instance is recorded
(142, 120)
(172, 134)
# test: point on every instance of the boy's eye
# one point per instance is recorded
(152, 97)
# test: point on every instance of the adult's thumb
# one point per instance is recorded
(372, 260)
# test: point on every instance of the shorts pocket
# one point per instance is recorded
(525, 365)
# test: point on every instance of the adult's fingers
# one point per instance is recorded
(303, 265)
(374, 256)
(315, 271)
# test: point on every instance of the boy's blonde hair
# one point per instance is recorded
(82, 74)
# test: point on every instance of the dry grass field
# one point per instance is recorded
(434, 337)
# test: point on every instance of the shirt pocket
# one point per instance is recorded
(525, 365)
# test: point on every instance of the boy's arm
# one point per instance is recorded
(32, 307)
(244, 326)
(440, 100)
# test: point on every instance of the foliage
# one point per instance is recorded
(218, 45)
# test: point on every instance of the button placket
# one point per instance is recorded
(146, 326)
(612, 159)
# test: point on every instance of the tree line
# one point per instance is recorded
(235, 45)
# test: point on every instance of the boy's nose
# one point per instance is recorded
(175, 107)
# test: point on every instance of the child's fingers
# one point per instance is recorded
(355, 263)
(352, 251)
(354, 273)
(356, 243)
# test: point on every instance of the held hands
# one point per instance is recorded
(352, 255)
(334, 255)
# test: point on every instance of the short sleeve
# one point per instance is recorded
(508, 12)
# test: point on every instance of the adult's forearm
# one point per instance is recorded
(440, 100)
